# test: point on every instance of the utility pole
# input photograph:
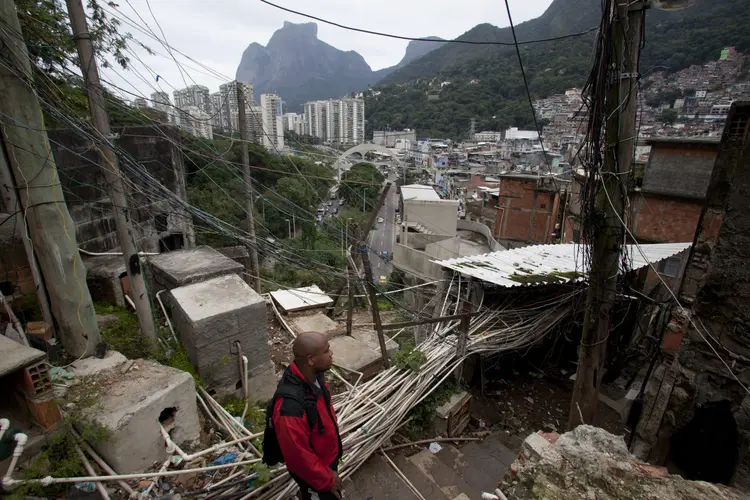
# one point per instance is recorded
(47, 223)
(364, 252)
(253, 246)
(621, 109)
(120, 211)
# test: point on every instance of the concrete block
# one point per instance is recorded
(131, 408)
(317, 322)
(352, 354)
(103, 275)
(183, 267)
(211, 317)
(262, 382)
(93, 366)
(370, 339)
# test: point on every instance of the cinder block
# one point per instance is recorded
(211, 317)
(132, 407)
(183, 267)
(103, 278)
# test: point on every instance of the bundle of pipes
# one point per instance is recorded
(369, 413)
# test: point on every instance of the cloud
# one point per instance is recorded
(216, 32)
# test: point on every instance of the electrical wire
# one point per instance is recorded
(430, 40)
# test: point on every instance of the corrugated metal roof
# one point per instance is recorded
(543, 264)
(419, 192)
(298, 299)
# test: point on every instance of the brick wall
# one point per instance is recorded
(662, 219)
(525, 213)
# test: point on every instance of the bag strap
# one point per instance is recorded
(307, 401)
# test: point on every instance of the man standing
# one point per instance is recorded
(301, 428)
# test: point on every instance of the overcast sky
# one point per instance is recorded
(216, 32)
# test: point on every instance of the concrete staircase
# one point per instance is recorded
(454, 473)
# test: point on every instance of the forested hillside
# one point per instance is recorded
(485, 81)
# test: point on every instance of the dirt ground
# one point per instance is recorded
(529, 404)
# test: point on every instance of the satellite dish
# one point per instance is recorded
(671, 4)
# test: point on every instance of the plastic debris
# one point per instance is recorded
(57, 373)
(434, 447)
(86, 487)
(226, 458)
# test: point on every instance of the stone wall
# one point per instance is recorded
(158, 224)
(706, 345)
(680, 167)
(663, 219)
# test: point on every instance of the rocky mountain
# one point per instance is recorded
(485, 79)
(414, 51)
(299, 67)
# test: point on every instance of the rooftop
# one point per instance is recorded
(546, 264)
(419, 192)
(682, 140)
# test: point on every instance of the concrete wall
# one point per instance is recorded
(680, 169)
(482, 229)
(415, 262)
(419, 241)
(525, 213)
(438, 217)
(86, 191)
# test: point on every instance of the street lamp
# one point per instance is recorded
(346, 237)
(289, 227)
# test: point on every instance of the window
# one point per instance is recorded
(670, 266)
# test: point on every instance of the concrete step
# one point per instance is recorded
(426, 486)
(376, 480)
(451, 483)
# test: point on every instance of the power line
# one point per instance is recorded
(431, 40)
(526, 85)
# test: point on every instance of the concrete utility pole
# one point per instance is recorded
(253, 246)
(120, 210)
(608, 234)
(31, 169)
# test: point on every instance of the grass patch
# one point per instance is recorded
(123, 334)
(409, 358)
(384, 305)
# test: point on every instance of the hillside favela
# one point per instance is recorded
(277, 250)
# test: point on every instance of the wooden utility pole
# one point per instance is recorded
(253, 246)
(608, 234)
(120, 210)
(32, 170)
(351, 275)
(370, 286)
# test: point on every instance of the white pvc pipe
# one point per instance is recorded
(104, 465)
(247, 391)
(90, 470)
(102, 254)
(4, 425)
(46, 481)
(21, 439)
(172, 446)
(166, 316)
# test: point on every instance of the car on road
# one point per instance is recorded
(380, 219)
(341, 203)
(384, 253)
(321, 210)
(330, 203)
(383, 280)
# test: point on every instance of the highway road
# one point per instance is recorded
(383, 237)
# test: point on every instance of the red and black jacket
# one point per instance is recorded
(310, 444)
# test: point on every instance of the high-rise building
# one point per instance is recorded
(140, 103)
(230, 110)
(160, 102)
(273, 127)
(336, 120)
(194, 95)
(196, 121)
(294, 122)
(217, 113)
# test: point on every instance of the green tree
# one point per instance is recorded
(360, 185)
(669, 116)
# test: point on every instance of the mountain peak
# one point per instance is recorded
(301, 29)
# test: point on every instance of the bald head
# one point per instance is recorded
(312, 354)
(309, 344)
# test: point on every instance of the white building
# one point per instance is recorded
(336, 120)
(389, 138)
(273, 126)
(487, 136)
(294, 122)
(514, 134)
(160, 102)
(197, 122)
(194, 95)
(140, 103)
